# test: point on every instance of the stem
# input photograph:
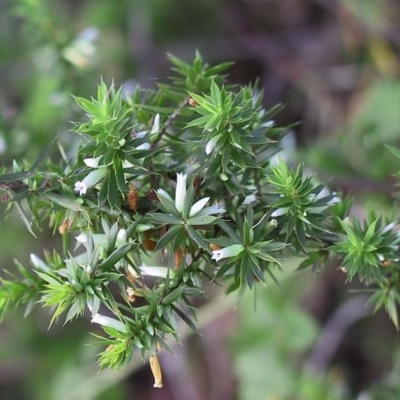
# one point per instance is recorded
(170, 120)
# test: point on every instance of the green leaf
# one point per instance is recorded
(120, 176)
(188, 201)
(172, 296)
(185, 318)
(87, 105)
(195, 236)
(112, 237)
(391, 308)
(113, 198)
(216, 93)
(370, 232)
(166, 218)
(168, 236)
(62, 201)
(394, 151)
(24, 218)
(206, 220)
(167, 203)
(117, 255)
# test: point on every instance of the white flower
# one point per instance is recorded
(38, 263)
(80, 187)
(198, 206)
(121, 237)
(97, 239)
(211, 144)
(269, 124)
(388, 228)
(273, 222)
(215, 209)
(82, 238)
(143, 146)
(89, 269)
(109, 322)
(322, 194)
(156, 124)
(159, 272)
(250, 199)
(92, 162)
(91, 180)
(180, 191)
(279, 212)
(230, 251)
(141, 134)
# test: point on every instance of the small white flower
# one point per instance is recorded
(273, 222)
(109, 322)
(180, 191)
(180, 196)
(158, 272)
(324, 193)
(89, 269)
(388, 228)
(211, 144)
(143, 146)
(141, 134)
(82, 238)
(198, 206)
(80, 187)
(279, 212)
(269, 124)
(38, 263)
(230, 251)
(97, 238)
(156, 124)
(334, 200)
(249, 199)
(215, 209)
(92, 162)
(91, 180)
(121, 237)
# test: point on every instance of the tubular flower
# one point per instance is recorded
(92, 162)
(198, 206)
(180, 198)
(230, 251)
(92, 179)
(211, 144)
(180, 192)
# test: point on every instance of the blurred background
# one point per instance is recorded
(335, 65)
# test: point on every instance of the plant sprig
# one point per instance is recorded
(171, 188)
